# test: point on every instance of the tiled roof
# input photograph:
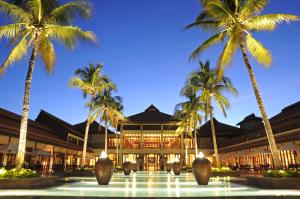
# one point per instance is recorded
(48, 118)
(220, 128)
(151, 115)
(289, 111)
(94, 128)
(10, 125)
(248, 118)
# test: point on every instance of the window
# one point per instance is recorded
(72, 140)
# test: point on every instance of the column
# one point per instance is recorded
(121, 137)
(51, 159)
(4, 159)
(161, 137)
(142, 138)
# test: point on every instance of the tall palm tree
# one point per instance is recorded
(205, 81)
(109, 110)
(188, 113)
(91, 82)
(35, 24)
(235, 21)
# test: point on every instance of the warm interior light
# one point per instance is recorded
(133, 161)
(103, 155)
(176, 159)
(200, 155)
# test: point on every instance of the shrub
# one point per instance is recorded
(17, 173)
(222, 169)
(282, 174)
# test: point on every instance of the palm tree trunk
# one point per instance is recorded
(268, 128)
(196, 144)
(86, 135)
(214, 138)
(24, 119)
(105, 149)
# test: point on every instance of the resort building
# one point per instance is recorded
(150, 139)
(52, 144)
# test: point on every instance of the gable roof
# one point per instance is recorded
(220, 128)
(287, 112)
(10, 125)
(94, 128)
(151, 115)
(251, 117)
(53, 122)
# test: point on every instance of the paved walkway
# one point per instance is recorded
(151, 184)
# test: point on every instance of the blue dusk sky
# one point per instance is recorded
(145, 52)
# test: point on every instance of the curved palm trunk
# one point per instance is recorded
(106, 126)
(214, 138)
(86, 135)
(24, 119)
(268, 128)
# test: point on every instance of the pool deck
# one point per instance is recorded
(150, 185)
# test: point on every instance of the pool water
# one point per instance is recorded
(150, 184)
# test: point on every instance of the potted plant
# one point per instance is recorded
(176, 167)
(169, 167)
(134, 166)
(201, 168)
(103, 169)
(127, 166)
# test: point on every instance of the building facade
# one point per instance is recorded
(150, 139)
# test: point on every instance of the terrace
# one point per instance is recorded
(152, 184)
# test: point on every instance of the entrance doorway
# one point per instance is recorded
(151, 162)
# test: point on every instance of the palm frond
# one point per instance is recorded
(66, 12)
(47, 53)
(17, 53)
(268, 21)
(10, 31)
(14, 11)
(217, 10)
(227, 54)
(252, 8)
(36, 8)
(217, 38)
(258, 51)
(68, 35)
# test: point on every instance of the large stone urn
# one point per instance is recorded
(177, 168)
(134, 167)
(127, 166)
(169, 167)
(103, 170)
(201, 170)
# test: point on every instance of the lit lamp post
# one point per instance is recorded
(103, 169)
(201, 169)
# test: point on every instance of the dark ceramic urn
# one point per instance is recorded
(168, 167)
(202, 170)
(134, 167)
(176, 168)
(103, 170)
(127, 167)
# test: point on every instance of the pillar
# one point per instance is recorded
(4, 159)
(51, 159)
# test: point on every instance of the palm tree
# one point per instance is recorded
(109, 110)
(210, 88)
(91, 82)
(190, 118)
(35, 24)
(237, 20)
